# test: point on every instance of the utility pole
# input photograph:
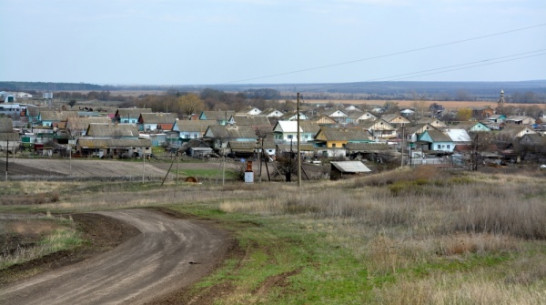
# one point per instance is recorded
(260, 158)
(7, 146)
(298, 138)
(223, 165)
(402, 148)
(143, 163)
(69, 160)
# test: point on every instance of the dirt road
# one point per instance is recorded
(169, 254)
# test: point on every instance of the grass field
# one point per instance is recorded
(408, 236)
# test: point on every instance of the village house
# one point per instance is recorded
(272, 113)
(473, 126)
(435, 140)
(9, 139)
(515, 131)
(519, 120)
(458, 136)
(352, 108)
(249, 110)
(434, 122)
(496, 118)
(220, 117)
(286, 131)
(395, 120)
(49, 118)
(337, 114)
(407, 112)
(292, 116)
(356, 117)
(150, 122)
(130, 115)
(324, 120)
(331, 142)
(379, 129)
(533, 139)
(113, 140)
(259, 123)
(112, 148)
(33, 115)
(482, 112)
(369, 151)
(77, 126)
(220, 135)
(412, 133)
(191, 129)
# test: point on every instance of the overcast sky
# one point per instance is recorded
(170, 42)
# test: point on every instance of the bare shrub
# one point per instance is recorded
(457, 244)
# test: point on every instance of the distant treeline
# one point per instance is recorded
(515, 92)
(43, 86)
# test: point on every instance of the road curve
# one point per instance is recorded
(170, 253)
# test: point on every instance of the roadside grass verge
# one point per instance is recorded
(460, 240)
(28, 239)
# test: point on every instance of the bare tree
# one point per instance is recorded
(481, 142)
(189, 104)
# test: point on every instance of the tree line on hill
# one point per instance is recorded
(189, 103)
(516, 92)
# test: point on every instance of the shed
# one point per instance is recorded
(341, 169)
(200, 152)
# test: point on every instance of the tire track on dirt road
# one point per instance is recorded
(169, 254)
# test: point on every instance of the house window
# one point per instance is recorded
(448, 146)
(334, 145)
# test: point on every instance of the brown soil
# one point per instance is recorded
(15, 168)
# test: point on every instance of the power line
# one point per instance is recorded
(434, 46)
(469, 65)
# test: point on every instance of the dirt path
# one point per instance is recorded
(169, 254)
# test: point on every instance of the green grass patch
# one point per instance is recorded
(306, 270)
(208, 173)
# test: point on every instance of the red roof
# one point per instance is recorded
(165, 126)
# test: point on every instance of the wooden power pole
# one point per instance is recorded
(298, 138)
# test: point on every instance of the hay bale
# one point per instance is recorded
(191, 180)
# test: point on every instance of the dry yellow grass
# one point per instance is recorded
(447, 289)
